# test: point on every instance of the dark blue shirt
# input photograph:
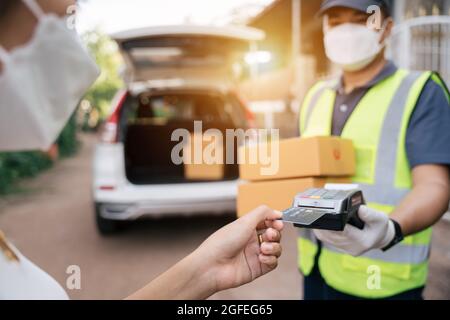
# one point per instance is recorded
(428, 134)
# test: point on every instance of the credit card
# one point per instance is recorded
(302, 216)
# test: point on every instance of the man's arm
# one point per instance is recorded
(428, 200)
(422, 208)
(427, 146)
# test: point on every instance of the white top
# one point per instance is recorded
(24, 280)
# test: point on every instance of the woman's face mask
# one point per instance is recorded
(352, 46)
(42, 83)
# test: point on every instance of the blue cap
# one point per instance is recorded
(361, 5)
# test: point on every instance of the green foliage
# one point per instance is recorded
(67, 141)
(18, 165)
(109, 60)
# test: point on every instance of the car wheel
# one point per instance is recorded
(106, 226)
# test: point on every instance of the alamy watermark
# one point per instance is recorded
(212, 146)
(71, 16)
(375, 20)
(73, 281)
(374, 277)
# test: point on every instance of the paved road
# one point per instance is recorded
(52, 223)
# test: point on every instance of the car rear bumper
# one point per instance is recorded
(114, 211)
(132, 202)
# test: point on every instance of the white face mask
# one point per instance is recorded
(352, 46)
(42, 83)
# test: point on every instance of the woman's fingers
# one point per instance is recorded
(275, 224)
(271, 249)
(258, 217)
(270, 261)
(271, 235)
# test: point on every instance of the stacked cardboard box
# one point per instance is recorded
(298, 164)
(199, 164)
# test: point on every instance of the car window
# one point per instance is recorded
(164, 108)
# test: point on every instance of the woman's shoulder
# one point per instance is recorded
(22, 279)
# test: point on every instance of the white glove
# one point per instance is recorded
(378, 232)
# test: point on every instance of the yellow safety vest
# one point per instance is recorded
(378, 129)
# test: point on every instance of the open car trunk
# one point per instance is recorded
(159, 59)
(149, 119)
(185, 51)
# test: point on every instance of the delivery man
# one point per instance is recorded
(399, 122)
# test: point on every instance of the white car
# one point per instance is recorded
(175, 76)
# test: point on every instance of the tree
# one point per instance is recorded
(109, 61)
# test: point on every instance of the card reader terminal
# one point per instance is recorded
(326, 209)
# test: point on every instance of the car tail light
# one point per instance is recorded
(110, 131)
(107, 188)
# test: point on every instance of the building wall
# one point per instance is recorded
(276, 21)
(425, 43)
(406, 9)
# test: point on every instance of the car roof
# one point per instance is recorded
(233, 32)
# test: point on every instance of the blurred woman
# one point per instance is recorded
(44, 72)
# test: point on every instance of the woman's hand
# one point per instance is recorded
(229, 258)
(233, 255)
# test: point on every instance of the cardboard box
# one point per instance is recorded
(278, 194)
(298, 157)
(203, 158)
